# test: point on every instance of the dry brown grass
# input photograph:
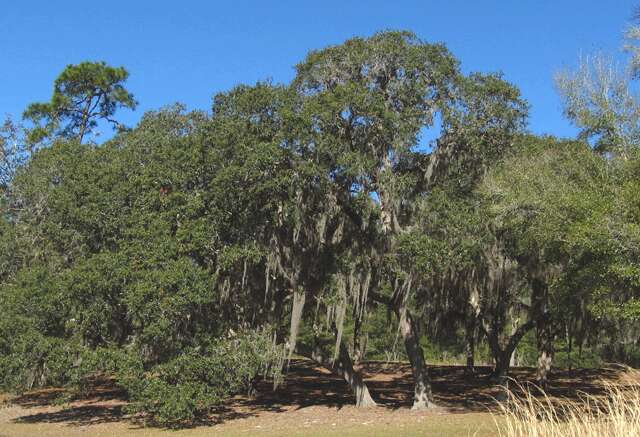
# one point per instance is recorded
(526, 413)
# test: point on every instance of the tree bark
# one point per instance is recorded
(343, 367)
(512, 357)
(354, 379)
(297, 308)
(471, 333)
(502, 352)
(500, 375)
(423, 396)
(544, 340)
(539, 279)
(502, 365)
(359, 341)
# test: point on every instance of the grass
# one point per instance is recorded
(345, 422)
(616, 413)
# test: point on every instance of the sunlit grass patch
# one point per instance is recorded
(534, 413)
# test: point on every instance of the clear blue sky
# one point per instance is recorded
(188, 50)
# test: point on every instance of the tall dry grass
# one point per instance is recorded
(614, 413)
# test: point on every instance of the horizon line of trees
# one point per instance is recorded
(195, 251)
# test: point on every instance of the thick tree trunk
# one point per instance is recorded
(471, 332)
(296, 315)
(501, 369)
(423, 397)
(343, 367)
(500, 375)
(470, 351)
(544, 339)
(354, 379)
(539, 278)
(502, 352)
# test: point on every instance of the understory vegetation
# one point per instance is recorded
(196, 252)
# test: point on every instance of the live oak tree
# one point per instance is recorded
(460, 270)
(297, 226)
(367, 101)
(196, 251)
(544, 199)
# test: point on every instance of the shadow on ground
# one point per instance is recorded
(307, 385)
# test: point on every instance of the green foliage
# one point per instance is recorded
(83, 94)
(480, 127)
(181, 256)
(187, 387)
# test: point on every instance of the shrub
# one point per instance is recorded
(186, 388)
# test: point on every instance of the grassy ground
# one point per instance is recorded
(301, 423)
(311, 402)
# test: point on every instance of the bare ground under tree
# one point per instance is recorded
(310, 398)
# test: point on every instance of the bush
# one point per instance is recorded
(186, 388)
(176, 392)
(35, 360)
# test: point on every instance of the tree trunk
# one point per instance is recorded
(544, 339)
(423, 397)
(502, 352)
(354, 379)
(512, 357)
(359, 341)
(500, 375)
(344, 368)
(296, 315)
(544, 330)
(471, 332)
(501, 368)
